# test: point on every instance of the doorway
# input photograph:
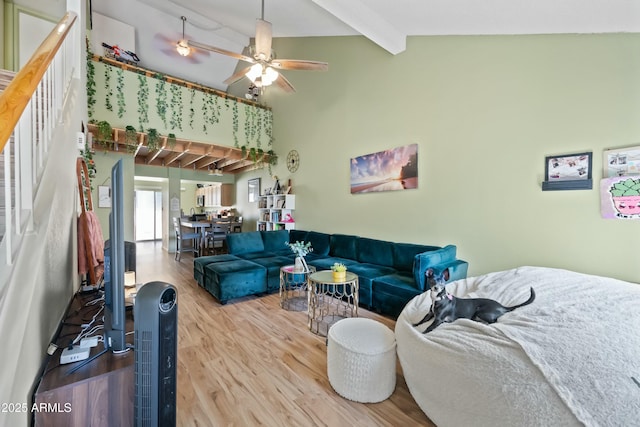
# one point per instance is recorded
(148, 215)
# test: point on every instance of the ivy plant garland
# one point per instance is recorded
(235, 124)
(205, 112)
(192, 111)
(122, 108)
(176, 107)
(91, 82)
(108, 92)
(143, 101)
(257, 122)
(161, 98)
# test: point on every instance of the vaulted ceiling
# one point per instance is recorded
(229, 24)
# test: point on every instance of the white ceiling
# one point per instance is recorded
(229, 24)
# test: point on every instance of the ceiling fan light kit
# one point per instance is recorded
(182, 46)
(263, 71)
(214, 172)
(261, 75)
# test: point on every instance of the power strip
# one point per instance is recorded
(74, 354)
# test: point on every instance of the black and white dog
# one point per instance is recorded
(447, 308)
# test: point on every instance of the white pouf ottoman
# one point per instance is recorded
(361, 360)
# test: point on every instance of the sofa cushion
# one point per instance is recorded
(374, 251)
(298, 236)
(325, 263)
(366, 274)
(273, 265)
(275, 241)
(242, 243)
(424, 260)
(391, 293)
(253, 255)
(370, 270)
(200, 262)
(344, 246)
(320, 242)
(404, 254)
(233, 279)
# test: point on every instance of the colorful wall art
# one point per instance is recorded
(388, 170)
(620, 198)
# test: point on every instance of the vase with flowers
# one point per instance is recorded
(301, 250)
(339, 272)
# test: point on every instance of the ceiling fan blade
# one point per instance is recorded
(236, 76)
(221, 51)
(284, 84)
(299, 64)
(263, 39)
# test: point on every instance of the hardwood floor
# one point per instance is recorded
(249, 362)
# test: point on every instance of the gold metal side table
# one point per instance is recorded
(293, 287)
(330, 301)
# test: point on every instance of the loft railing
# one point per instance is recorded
(30, 109)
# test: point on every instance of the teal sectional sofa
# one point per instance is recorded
(390, 274)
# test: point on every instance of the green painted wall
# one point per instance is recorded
(485, 112)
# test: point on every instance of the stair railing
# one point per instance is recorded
(30, 109)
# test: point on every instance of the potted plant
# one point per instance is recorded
(300, 249)
(172, 140)
(339, 272)
(130, 138)
(153, 138)
(104, 131)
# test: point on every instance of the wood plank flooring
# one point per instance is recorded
(251, 363)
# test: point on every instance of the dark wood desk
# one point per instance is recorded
(100, 393)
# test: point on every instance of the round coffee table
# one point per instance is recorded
(293, 287)
(330, 301)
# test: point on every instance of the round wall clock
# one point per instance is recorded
(293, 161)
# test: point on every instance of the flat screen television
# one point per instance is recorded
(114, 267)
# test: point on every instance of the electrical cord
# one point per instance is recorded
(84, 332)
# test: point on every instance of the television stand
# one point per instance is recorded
(101, 393)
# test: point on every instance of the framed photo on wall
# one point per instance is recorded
(104, 196)
(568, 172)
(621, 162)
(254, 189)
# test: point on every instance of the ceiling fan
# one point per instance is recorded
(263, 71)
(215, 171)
(179, 48)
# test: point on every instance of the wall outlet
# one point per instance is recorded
(74, 354)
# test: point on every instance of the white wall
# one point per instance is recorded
(44, 275)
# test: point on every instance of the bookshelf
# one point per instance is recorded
(275, 212)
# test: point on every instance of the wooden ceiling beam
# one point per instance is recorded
(184, 153)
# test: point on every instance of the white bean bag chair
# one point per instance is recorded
(572, 357)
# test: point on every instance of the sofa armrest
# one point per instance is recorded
(425, 260)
